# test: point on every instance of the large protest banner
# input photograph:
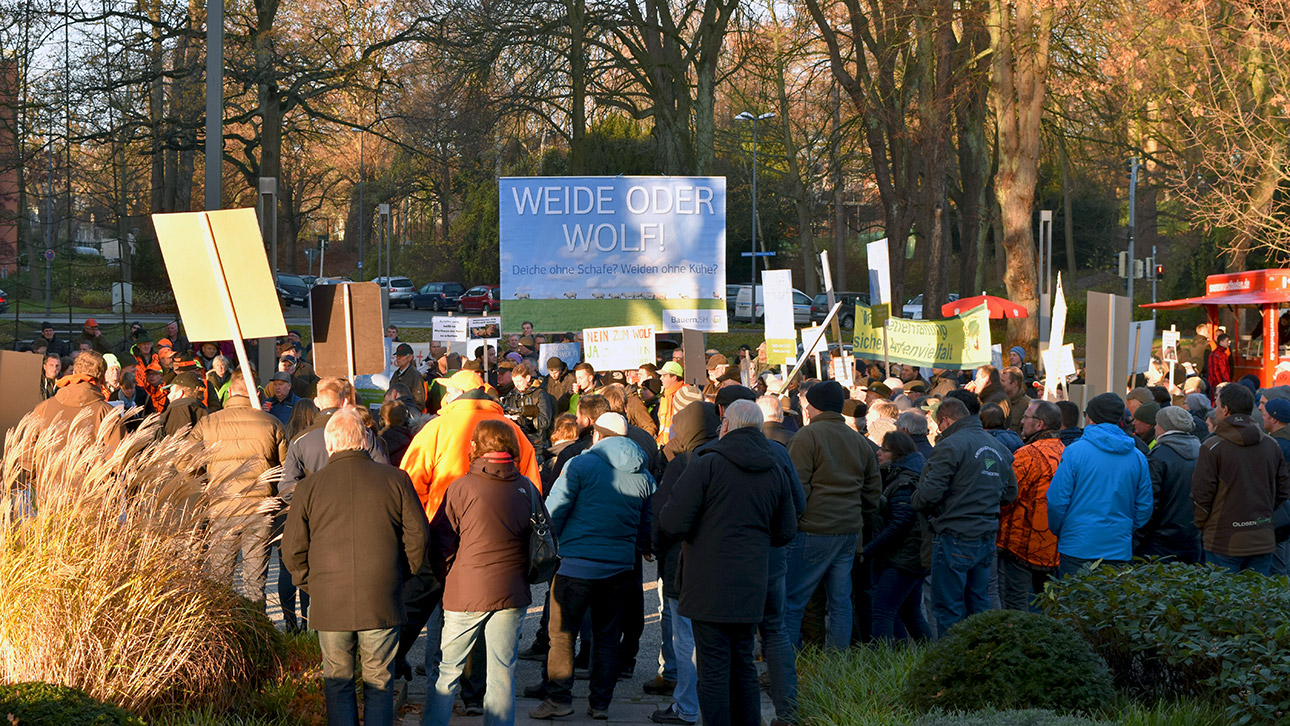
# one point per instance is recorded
(957, 343)
(605, 251)
(618, 349)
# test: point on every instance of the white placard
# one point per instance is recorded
(570, 353)
(808, 334)
(777, 300)
(1056, 337)
(622, 348)
(445, 329)
(879, 272)
(1141, 335)
(485, 328)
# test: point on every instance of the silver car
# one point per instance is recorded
(400, 288)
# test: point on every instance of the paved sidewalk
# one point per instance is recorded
(631, 705)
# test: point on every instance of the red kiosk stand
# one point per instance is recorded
(1266, 290)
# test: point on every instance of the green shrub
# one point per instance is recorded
(1169, 630)
(1007, 659)
(1028, 717)
(41, 704)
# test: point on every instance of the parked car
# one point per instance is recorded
(292, 289)
(479, 299)
(330, 280)
(438, 296)
(4, 302)
(401, 289)
(801, 305)
(913, 309)
(309, 279)
(732, 295)
(846, 315)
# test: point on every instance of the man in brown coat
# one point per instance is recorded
(243, 442)
(355, 534)
(79, 403)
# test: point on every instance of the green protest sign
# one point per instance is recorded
(957, 343)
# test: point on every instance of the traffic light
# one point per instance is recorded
(1160, 271)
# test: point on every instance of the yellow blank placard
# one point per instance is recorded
(216, 259)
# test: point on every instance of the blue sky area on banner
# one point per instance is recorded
(612, 237)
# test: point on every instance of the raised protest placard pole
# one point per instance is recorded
(815, 340)
(847, 361)
(198, 249)
(1169, 348)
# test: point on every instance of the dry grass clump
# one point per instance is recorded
(102, 579)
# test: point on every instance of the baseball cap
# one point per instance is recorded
(165, 343)
(611, 424)
(187, 379)
(91, 323)
(280, 376)
(730, 394)
(288, 358)
(555, 364)
(717, 359)
(464, 381)
(403, 349)
(154, 367)
(1141, 395)
(526, 341)
(674, 368)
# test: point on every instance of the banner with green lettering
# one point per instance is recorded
(958, 343)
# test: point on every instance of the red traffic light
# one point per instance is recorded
(1160, 272)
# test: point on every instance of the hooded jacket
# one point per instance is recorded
(696, 425)
(1023, 524)
(1008, 438)
(731, 505)
(967, 478)
(600, 505)
(440, 452)
(1171, 530)
(181, 412)
(1099, 495)
(73, 398)
(243, 443)
(482, 539)
(1240, 478)
(839, 475)
(899, 543)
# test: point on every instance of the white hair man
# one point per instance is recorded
(352, 526)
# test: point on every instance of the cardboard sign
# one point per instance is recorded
(1141, 335)
(485, 328)
(777, 301)
(570, 353)
(696, 361)
(446, 329)
(879, 271)
(879, 314)
(20, 378)
(220, 274)
(347, 332)
(618, 349)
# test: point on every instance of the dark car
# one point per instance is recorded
(846, 315)
(4, 302)
(292, 289)
(478, 299)
(438, 296)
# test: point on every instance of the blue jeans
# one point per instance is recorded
(813, 558)
(501, 632)
(376, 648)
(777, 651)
(686, 693)
(898, 601)
(1281, 559)
(666, 656)
(1261, 564)
(960, 578)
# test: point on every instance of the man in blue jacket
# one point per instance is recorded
(1100, 493)
(600, 514)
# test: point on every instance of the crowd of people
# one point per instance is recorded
(887, 507)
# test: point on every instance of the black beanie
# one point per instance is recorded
(1105, 408)
(827, 396)
(729, 394)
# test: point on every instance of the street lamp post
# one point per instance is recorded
(746, 116)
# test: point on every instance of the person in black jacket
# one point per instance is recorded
(896, 550)
(1171, 532)
(395, 434)
(185, 408)
(693, 427)
(773, 420)
(355, 534)
(731, 505)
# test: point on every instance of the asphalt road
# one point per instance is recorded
(294, 315)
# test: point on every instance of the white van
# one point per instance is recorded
(801, 305)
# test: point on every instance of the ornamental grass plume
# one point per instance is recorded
(103, 584)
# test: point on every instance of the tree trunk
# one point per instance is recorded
(1068, 222)
(156, 109)
(1019, 41)
(839, 209)
(578, 87)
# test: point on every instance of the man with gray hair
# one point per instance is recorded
(355, 534)
(731, 506)
(914, 424)
(772, 426)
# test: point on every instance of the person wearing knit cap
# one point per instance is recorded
(1241, 480)
(1144, 422)
(1101, 492)
(839, 473)
(1171, 532)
